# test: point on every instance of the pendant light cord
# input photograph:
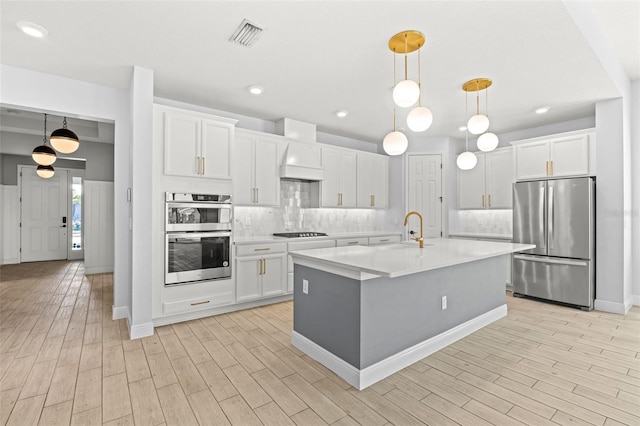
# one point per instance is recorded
(44, 137)
(419, 78)
(394, 83)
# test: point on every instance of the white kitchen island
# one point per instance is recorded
(366, 312)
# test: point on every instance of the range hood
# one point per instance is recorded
(301, 163)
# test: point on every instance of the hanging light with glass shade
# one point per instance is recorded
(479, 123)
(467, 160)
(420, 118)
(43, 154)
(64, 140)
(45, 172)
(405, 92)
(395, 143)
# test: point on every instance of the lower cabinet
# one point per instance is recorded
(261, 271)
(183, 299)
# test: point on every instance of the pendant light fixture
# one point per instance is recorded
(478, 123)
(45, 172)
(43, 154)
(467, 160)
(406, 92)
(420, 118)
(64, 140)
(395, 143)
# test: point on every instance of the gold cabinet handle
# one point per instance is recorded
(259, 266)
(374, 200)
(257, 195)
(546, 168)
(200, 303)
(483, 201)
(489, 200)
(254, 195)
(341, 198)
(262, 249)
(551, 173)
(204, 164)
(198, 165)
(371, 200)
(264, 266)
(352, 242)
(384, 240)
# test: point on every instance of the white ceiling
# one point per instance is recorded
(319, 57)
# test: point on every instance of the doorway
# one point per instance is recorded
(50, 215)
(424, 192)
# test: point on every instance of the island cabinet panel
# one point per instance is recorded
(261, 271)
(562, 155)
(196, 144)
(339, 182)
(372, 189)
(256, 178)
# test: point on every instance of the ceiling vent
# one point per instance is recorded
(246, 34)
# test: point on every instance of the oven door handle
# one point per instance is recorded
(208, 234)
(199, 205)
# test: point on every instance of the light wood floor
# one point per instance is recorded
(64, 361)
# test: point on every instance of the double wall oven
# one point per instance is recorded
(197, 237)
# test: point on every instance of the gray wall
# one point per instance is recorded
(98, 156)
(9, 166)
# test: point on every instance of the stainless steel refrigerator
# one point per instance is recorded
(558, 216)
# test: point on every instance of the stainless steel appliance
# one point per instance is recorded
(558, 216)
(197, 237)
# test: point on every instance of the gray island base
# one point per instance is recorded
(366, 324)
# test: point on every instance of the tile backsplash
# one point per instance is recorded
(481, 221)
(294, 214)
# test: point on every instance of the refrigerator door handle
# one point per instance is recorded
(551, 218)
(542, 223)
(549, 260)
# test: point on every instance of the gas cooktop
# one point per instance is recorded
(299, 234)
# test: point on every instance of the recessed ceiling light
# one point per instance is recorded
(462, 128)
(32, 29)
(342, 113)
(542, 110)
(256, 90)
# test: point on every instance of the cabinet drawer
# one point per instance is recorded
(260, 249)
(352, 242)
(221, 295)
(384, 239)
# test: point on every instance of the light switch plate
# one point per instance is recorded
(305, 286)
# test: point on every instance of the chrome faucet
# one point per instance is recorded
(419, 239)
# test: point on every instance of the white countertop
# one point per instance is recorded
(330, 236)
(395, 260)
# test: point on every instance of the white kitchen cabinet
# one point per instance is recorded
(372, 177)
(343, 242)
(195, 144)
(488, 184)
(195, 297)
(261, 271)
(569, 154)
(256, 178)
(339, 182)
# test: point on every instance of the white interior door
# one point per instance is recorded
(43, 235)
(424, 180)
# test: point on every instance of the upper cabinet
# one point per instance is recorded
(372, 189)
(256, 175)
(568, 154)
(339, 182)
(196, 144)
(488, 184)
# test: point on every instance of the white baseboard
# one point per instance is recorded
(10, 261)
(97, 270)
(360, 379)
(119, 312)
(140, 330)
(635, 300)
(612, 307)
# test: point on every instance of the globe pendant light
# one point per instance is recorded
(467, 160)
(406, 92)
(395, 143)
(64, 140)
(43, 154)
(478, 123)
(45, 172)
(420, 118)
(487, 142)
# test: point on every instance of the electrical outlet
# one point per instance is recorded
(305, 286)
(444, 302)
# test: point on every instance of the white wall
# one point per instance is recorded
(37, 91)
(98, 227)
(635, 185)
(10, 225)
